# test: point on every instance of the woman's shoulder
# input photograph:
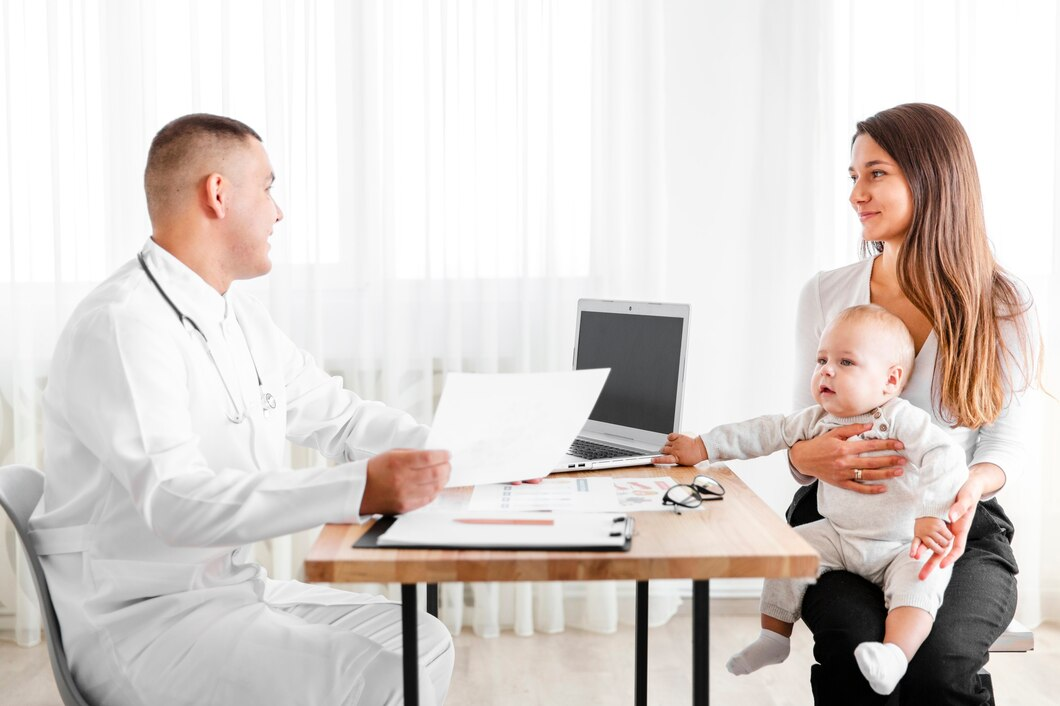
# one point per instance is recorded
(831, 291)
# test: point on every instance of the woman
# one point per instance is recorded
(916, 192)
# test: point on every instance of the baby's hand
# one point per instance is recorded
(683, 450)
(930, 533)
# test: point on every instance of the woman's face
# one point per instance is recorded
(880, 195)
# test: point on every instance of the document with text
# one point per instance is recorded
(558, 494)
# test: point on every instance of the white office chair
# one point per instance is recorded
(20, 489)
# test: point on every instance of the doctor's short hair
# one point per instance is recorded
(175, 148)
(891, 331)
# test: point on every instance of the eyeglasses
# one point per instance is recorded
(692, 495)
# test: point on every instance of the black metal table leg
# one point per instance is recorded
(641, 654)
(700, 643)
(410, 644)
(432, 599)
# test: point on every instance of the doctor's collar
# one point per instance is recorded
(193, 295)
(237, 413)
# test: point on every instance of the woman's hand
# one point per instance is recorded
(834, 459)
(961, 514)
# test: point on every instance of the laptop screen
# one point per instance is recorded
(644, 354)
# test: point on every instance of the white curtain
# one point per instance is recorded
(456, 174)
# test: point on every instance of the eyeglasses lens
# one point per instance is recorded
(683, 495)
(707, 486)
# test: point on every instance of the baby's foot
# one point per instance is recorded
(882, 663)
(769, 648)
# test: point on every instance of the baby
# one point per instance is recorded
(865, 358)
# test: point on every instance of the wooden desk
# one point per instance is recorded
(735, 537)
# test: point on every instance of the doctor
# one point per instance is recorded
(169, 401)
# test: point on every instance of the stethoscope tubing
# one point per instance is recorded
(268, 402)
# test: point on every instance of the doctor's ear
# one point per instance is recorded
(215, 194)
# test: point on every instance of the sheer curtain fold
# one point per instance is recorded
(448, 195)
(456, 175)
(492, 211)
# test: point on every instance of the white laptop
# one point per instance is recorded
(644, 346)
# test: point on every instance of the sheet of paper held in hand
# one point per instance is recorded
(502, 427)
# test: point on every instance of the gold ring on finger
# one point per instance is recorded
(857, 474)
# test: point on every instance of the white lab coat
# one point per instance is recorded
(153, 496)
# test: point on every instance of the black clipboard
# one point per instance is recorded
(624, 526)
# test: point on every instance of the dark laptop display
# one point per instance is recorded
(644, 354)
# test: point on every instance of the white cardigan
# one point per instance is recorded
(827, 293)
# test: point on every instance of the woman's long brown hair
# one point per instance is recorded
(947, 270)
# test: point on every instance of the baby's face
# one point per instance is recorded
(853, 370)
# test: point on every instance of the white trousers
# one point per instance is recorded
(886, 564)
(384, 674)
(301, 644)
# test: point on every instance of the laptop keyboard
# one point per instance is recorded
(593, 451)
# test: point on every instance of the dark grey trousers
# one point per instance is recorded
(843, 610)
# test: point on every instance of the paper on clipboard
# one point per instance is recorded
(527, 530)
(511, 426)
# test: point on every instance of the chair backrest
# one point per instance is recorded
(21, 488)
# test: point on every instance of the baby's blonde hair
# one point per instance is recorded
(891, 330)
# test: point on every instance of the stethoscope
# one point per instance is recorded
(268, 402)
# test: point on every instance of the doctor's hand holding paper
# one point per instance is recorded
(404, 480)
(170, 401)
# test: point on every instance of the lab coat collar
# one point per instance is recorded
(190, 292)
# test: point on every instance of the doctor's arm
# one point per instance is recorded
(323, 415)
(129, 405)
(400, 476)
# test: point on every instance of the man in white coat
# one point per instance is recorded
(169, 401)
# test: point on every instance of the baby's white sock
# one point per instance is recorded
(769, 648)
(882, 663)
